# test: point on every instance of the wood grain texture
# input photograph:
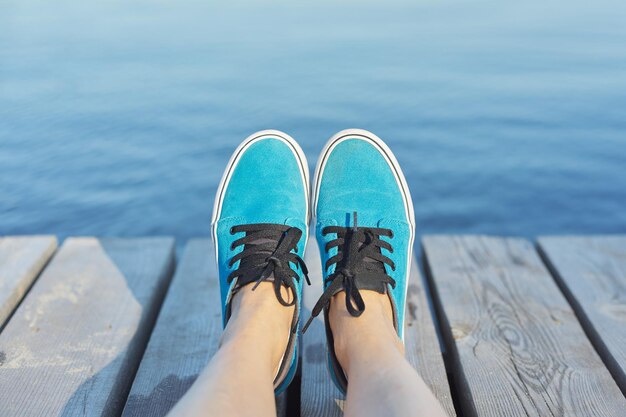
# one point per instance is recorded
(21, 260)
(319, 396)
(74, 344)
(421, 343)
(591, 271)
(185, 337)
(518, 348)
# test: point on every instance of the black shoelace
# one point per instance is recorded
(360, 264)
(269, 251)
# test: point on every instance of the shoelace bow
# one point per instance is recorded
(269, 249)
(358, 260)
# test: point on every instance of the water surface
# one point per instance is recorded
(117, 118)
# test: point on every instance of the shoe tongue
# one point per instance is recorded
(369, 264)
(261, 240)
(374, 265)
(255, 243)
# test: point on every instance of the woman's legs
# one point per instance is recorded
(381, 382)
(238, 381)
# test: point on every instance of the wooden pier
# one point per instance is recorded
(496, 327)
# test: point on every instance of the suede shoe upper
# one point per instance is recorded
(363, 225)
(260, 226)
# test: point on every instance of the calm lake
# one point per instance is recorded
(118, 117)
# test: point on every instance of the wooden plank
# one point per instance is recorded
(74, 344)
(318, 394)
(185, 337)
(319, 397)
(591, 271)
(517, 347)
(21, 260)
(422, 346)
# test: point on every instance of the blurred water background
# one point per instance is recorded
(118, 117)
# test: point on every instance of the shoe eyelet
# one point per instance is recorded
(232, 230)
(232, 246)
(391, 234)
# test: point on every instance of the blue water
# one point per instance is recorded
(118, 117)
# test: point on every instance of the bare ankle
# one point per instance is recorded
(258, 318)
(360, 336)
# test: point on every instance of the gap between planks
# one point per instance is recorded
(319, 396)
(591, 272)
(22, 258)
(185, 337)
(74, 343)
(515, 344)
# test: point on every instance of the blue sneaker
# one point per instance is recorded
(364, 227)
(260, 227)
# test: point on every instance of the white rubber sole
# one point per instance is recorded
(384, 150)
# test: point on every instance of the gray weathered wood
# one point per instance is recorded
(21, 260)
(74, 344)
(518, 349)
(319, 397)
(421, 343)
(185, 337)
(591, 271)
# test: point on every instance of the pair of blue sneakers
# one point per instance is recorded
(364, 222)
